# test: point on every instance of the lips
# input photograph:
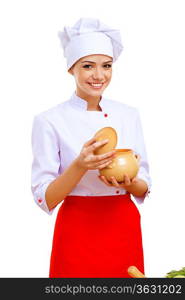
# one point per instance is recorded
(96, 85)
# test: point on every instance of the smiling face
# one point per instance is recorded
(92, 75)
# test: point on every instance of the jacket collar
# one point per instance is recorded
(82, 104)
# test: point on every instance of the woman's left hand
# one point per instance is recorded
(126, 181)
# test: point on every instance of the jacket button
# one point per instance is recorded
(40, 200)
(105, 115)
(117, 192)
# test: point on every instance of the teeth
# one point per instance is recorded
(96, 84)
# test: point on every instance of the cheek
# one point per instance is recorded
(109, 75)
(82, 77)
(81, 81)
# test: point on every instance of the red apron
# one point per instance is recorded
(96, 237)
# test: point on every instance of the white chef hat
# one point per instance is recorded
(89, 36)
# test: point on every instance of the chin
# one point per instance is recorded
(96, 93)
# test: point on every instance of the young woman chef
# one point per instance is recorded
(97, 231)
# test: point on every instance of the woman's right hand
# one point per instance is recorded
(89, 161)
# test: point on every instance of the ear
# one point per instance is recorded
(70, 71)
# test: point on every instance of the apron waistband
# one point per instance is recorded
(126, 196)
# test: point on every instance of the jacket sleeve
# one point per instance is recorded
(46, 160)
(140, 149)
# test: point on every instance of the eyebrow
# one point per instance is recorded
(88, 61)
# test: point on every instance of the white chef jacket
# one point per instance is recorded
(59, 134)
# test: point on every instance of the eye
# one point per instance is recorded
(107, 66)
(87, 66)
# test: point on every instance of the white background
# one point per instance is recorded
(150, 75)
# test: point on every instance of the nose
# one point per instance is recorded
(98, 74)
